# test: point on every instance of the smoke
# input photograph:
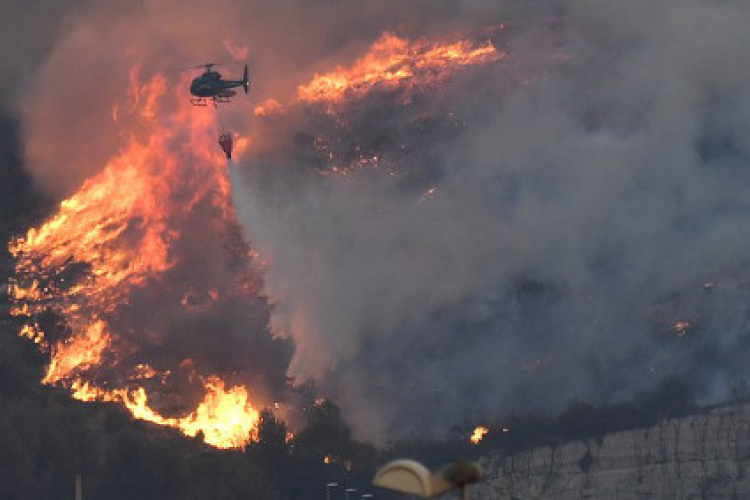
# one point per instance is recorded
(551, 218)
(589, 205)
(98, 53)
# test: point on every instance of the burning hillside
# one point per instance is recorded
(141, 289)
(387, 110)
(397, 65)
(427, 209)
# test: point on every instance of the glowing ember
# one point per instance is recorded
(681, 328)
(430, 193)
(478, 434)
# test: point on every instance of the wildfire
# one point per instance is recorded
(430, 193)
(401, 76)
(681, 328)
(109, 242)
(226, 417)
(269, 107)
(478, 434)
(79, 353)
(84, 278)
(394, 62)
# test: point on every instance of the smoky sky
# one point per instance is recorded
(590, 194)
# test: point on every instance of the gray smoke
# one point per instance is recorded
(590, 193)
(586, 239)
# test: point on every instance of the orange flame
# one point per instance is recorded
(117, 233)
(226, 418)
(394, 65)
(391, 63)
(478, 434)
(110, 238)
(682, 327)
(268, 107)
(395, 62)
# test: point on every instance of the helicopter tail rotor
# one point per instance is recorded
(246, 80)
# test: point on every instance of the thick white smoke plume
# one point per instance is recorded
(569, 222)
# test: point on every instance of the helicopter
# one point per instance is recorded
(210, 85)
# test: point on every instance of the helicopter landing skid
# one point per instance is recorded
(198, 101)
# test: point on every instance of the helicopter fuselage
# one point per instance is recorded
(211, 85)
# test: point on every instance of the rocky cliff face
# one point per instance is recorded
(702, 456)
